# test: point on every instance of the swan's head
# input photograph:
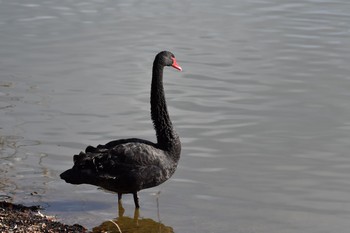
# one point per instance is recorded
(166, 58)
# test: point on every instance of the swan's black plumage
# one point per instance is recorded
(129, 165)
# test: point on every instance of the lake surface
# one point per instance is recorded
(262, 108)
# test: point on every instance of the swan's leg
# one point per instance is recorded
(121, 209)
(119, 197)
(136, 216)
(136, 200)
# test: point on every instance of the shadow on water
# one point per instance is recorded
(133, 224)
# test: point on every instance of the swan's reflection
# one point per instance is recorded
(132, 225)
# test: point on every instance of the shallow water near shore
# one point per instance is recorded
(262, 109)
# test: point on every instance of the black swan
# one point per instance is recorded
(129, 165)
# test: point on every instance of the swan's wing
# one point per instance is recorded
(125, 167)
(112, 144)
(121, 158)
(139, 164)
(137, 154)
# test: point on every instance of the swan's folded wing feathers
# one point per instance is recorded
(136, 154)
(128, 163)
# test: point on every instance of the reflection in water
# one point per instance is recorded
(8, 146)
(7, 151)
(15, 171)
(132, 225)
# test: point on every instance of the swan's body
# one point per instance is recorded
(129, 165)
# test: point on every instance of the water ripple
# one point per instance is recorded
(36, 18)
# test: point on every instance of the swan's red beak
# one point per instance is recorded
(175, 65)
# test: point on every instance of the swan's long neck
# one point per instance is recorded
(166, 136)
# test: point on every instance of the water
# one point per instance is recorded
(262, 108)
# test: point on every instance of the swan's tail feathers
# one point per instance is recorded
(79, 157)
(91, 149)
(83, 171)
(98, 149)
(79, 176)
(72, 176)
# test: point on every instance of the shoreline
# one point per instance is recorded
(20, 218)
